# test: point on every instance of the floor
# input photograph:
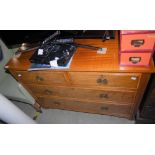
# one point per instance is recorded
(54, 116)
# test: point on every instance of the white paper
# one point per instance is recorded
(40, 52)
(56, 58)
(102, 51)
(54, 63)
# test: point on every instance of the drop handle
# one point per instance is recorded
(99, 80)
(57, 103)
(39, 78)
(48, 92)
(104, 108)
(104, 96)
(102, 81)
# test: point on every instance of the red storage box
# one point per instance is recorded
(137, 42)
(135, 58)
(136, 47)
(137, 31)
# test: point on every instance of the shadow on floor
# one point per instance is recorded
(55, 116)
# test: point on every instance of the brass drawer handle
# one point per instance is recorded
(48, 92)
(99, 80)
(57, 103)
(102, 81)
(39, 78)
(104, 108)
(104, 96)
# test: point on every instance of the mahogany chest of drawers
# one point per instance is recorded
(95, 83)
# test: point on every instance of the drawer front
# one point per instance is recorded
(40, 77)
(98, 108)
(119, 80)
(137, 42)
(135, 59)
(84, 94)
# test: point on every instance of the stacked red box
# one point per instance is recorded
(136, 47)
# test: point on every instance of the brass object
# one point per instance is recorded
(48, 92)
(102, 81)
(104, 96)
(104, 108)
(57, 103)
(39, 78)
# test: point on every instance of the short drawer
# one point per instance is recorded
(40, 77)
(119, 80)
(91, 107)
(84, 94)
(133, 42)
(135, 59)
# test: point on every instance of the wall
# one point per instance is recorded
(7, 54)
(9, 87)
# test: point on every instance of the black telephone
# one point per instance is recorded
(54, 48)
(62, 53)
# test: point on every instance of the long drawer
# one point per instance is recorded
(125, 97)
(99, 108)
(119, 80)
(40, 77)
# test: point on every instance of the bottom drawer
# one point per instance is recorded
(135, 59)
(90, 107)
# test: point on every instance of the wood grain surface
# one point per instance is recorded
(88, 60)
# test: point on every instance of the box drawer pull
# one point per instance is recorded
(135, 60)
(104, 96)
(137, 43)
(104, 108)
(39, 78)
(48, 92)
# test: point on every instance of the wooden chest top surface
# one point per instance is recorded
(88, 60)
